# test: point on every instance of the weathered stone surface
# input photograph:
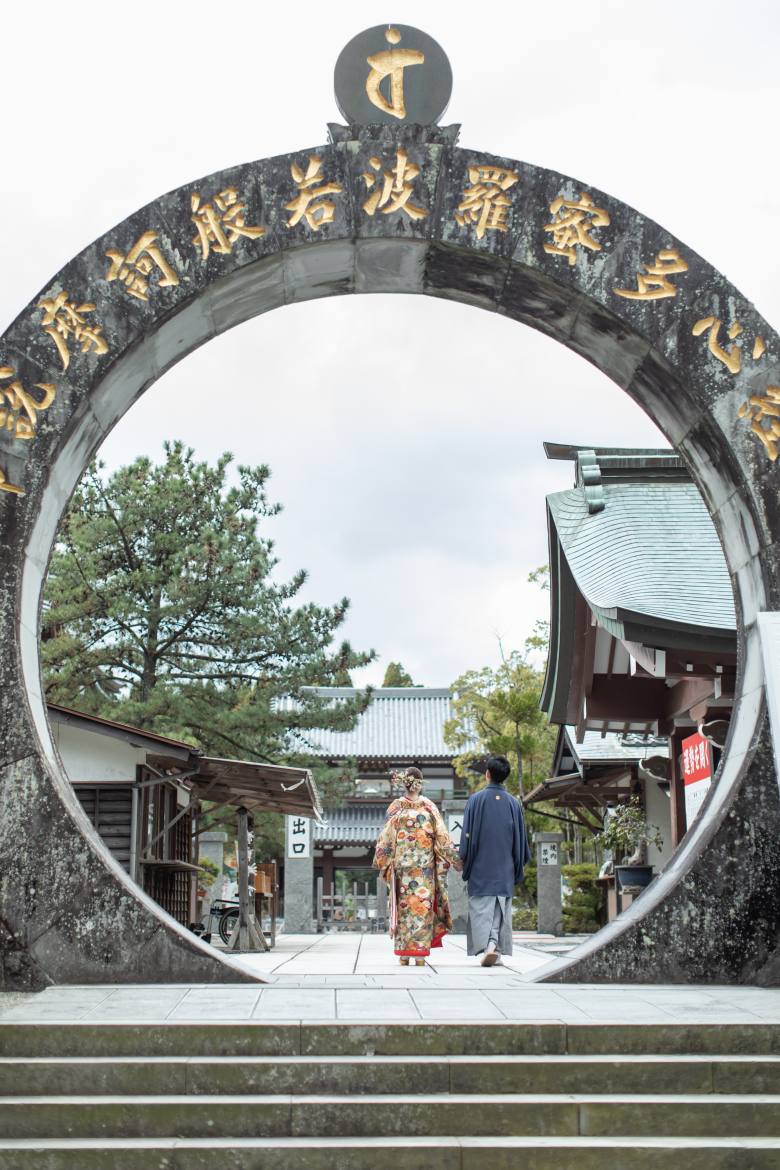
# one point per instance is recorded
(298, 898)
(548, 888)
(67, 913)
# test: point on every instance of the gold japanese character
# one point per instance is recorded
(63, 320)
(485, 201)
(221, 223)
(654, 282)
(731, 356)
(396, 189)
(18, 407)
(572, 222)
(760, 408)
(311, 203)
(136, 266)
(391, 63)
(6, 486)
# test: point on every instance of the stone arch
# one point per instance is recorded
(548, 252)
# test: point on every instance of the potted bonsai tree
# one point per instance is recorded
(627, 835)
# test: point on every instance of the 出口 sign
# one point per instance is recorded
(298, 837)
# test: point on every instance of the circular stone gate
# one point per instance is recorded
(386, 207)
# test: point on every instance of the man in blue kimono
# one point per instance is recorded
(494, 851)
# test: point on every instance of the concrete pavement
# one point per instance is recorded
(355, 978)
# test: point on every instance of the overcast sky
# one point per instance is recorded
(407, 453)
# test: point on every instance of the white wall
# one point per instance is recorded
(87, 755)
(658, 809)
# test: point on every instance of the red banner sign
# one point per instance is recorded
(697, 759)
(697, 773)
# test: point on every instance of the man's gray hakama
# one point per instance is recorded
(482, 913)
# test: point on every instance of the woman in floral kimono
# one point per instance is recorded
(413, 854)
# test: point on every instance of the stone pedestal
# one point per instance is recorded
(452, 810)
(548, 882)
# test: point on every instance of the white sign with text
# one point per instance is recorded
(455, 827)
(298, 837)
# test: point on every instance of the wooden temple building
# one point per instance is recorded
(142, 793)
(402, 727)
(643, 645)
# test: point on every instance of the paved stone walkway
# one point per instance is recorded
(354, 978)
(370, 956)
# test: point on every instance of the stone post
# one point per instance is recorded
(548, 882)
(452, 811)
(299, 878)
(382, 901)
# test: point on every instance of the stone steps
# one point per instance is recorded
(368, 1038)
(383, 1115)
(359, 1075)
(398, 1153)
(347, 1095)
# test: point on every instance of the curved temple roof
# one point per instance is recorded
(633, 545)
(652, 551)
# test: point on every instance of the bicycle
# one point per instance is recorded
(222, 918)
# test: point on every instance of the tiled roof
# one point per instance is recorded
(652, 550)
(400, 723)
(611, 748)
(351, 824)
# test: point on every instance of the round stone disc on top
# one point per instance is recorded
(395, 74)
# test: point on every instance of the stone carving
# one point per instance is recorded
(390, 207)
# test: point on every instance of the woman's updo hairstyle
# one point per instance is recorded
(412, 780)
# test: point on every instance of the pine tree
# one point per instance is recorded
(396, 676)
(161, 610)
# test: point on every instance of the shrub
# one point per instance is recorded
(527, 888)
(583, 899)
(524, 918)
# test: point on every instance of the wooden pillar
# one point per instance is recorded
(327, 871)
(192, 859)
(246, 936)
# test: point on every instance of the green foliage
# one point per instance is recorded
(497, 712)
(524, 918)
(396, 676)
(209, 872)
(527, 887)
(162, 610)
(538, 641)
(582, 904)
(530, 876)
(627, 830)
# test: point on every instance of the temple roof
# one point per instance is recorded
(643, 624)
(351, 824)
(400, 723)
(610, 748)
(652, 550)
